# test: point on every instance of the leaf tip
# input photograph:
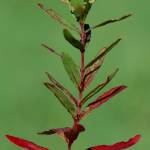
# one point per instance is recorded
(122, 87)
(137, 138)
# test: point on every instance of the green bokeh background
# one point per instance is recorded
(27, 107)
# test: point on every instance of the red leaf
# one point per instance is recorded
(106, 96)
(118, 146)
(67, 133)
(27, 145)
(99, 87)
(102, 99)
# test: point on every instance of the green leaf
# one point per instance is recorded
(62, 98)
(111, 21)
(104, 52)
(99, 87)
(62, 88)
(71, 69)
(54, 15)
(74, 42)
(51, 50)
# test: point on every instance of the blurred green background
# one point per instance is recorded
(27, 107)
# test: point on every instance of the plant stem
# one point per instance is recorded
(69, 147)
(82, 69)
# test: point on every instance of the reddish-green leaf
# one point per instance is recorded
(99, 87)
(101, 55)
(111, 21)
(51, 50)
(67, 133)
(74, 42)
(102, 99)
(118, 146)
(62, 88)
(71, 69)
(53, 14)
(62, 98)
(91, 71)
(27, 145)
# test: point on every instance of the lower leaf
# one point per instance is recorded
(117, 146)
(27, 145)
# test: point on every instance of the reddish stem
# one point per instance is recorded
(69, 147)
(82, 72)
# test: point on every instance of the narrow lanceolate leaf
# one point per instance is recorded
(103, 53)
(71, 69)
(74, 42)
(51, 50)
(27, 145)
(102, 99)
(99, 87)
(62, 98)
(62, 88)
(53, 14)
(111, 21)
(91, 71)
(67, 133)
(119, 145)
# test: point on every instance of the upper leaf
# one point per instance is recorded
(62, 98)
(111, 21)
(51, 50)
(74, 42)
(53, 14)
(71, 69)
(91, 71)
(104, 52)
(118, 146)
(27, 145)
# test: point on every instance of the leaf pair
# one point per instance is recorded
(67, 133)
(99, 87)
(92, 68)
(69, 136)
(94, 65)
(63, 94)
(119, 145)
(102, 99)
(27, 145)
